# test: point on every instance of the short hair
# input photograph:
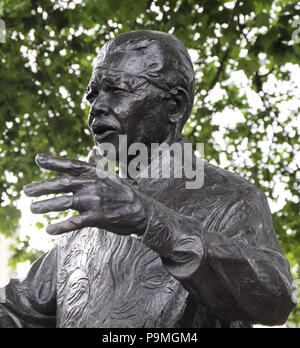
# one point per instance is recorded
(172, 68)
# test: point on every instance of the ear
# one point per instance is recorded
(180, 102)
(177, 113)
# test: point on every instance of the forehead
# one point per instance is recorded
(142, 58)
(115, 77)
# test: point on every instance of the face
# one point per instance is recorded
(124, 102)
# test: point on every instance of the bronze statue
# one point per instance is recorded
(148, 252)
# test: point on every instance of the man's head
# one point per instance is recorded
(142, 86)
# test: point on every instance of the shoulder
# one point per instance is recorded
(236, 207)
(226, 199)
(221, 183)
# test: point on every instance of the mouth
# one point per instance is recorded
(102, 130)
(100, 137)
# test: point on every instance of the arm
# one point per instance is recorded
(31, 302)
(239, 272)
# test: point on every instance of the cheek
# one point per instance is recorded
(154, 126)
(143, 117)
(120, 108)
(135, 112)
(151, 106)
(120, 105)
(127, 106)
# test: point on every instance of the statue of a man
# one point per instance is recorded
(204, 257)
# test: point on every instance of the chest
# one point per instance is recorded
(106, 280)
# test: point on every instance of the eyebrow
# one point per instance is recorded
(94, 81)
(117, 78)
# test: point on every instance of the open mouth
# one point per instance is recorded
(102, 130)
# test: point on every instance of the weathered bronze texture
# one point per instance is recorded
(148, 252)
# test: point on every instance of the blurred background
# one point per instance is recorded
(246, 56)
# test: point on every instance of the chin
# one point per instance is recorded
(108, 147)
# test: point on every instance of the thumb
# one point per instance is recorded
(94, 157)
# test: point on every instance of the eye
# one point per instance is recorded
(116, 90)
(92, 95)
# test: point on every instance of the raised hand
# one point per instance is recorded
(109, 203)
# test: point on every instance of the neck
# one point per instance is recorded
(132, 165)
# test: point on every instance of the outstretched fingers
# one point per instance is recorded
(76, 222)
(68, 166)
(54, 204)
(62, 184)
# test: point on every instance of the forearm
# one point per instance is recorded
(31, 302)
(240, 281)
(234, 277)
(178, 239)
(8, 318)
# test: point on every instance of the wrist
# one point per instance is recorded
(178, 239)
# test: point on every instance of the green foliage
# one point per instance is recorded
(22, 251)
(46, 63)
(9, 217)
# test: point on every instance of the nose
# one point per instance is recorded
(99, 106)
(98, 109)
